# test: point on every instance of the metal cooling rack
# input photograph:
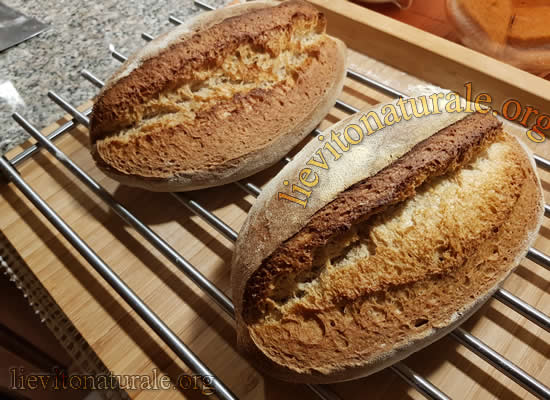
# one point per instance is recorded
(8, 167)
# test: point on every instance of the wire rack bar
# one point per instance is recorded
(421, 384)
(146, 37)
(365, 80)
(539, 257)
(118, 56)
(502, 364)
(203, 5)
(169, 252)
(346, 107)
(215, 223)
(528, 311)
(31, 150)
(148, 315)
(92, 79)
(249, 188)
(414, 379)
(542, 163)
(177, 21)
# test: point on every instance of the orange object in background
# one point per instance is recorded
(428, 15)
(530, 26)
(523, 40)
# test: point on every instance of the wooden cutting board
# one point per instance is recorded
(127, 346)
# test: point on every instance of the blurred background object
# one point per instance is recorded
(403, 4)
(514, 31)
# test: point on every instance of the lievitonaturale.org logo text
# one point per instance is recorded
(336, 144)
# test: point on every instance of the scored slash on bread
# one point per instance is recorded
(388, 257)
(219, 98)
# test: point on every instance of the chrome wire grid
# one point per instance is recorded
(8, 167)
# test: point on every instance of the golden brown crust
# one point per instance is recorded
(445, 151)
(219, 104)
(356, 317)
(114, 107)
(216, 140)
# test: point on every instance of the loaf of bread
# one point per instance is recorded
(218, 98)
(404, 236)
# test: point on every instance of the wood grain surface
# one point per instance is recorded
(127, 346)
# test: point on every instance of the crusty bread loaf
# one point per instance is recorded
(408, 234)
(219, 98)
